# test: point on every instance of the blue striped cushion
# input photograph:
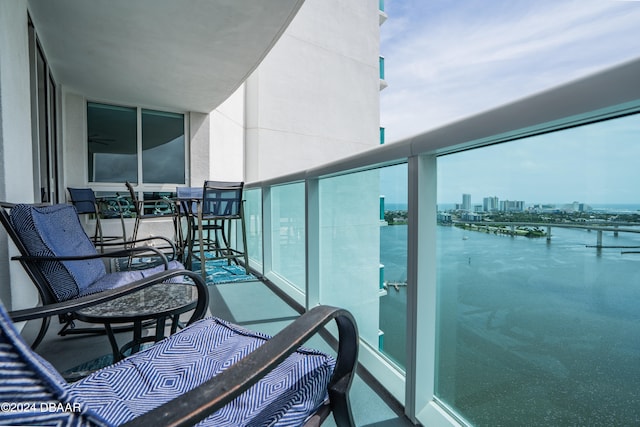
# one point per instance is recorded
(56, 231)
(285, 397)
(118, 393)
(31, 390)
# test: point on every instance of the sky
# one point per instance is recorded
(449, 59)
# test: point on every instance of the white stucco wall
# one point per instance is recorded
(200, 147)
(226, 157)
(16, 174)
(315, 97)
(74, 148)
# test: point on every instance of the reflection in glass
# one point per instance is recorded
(349, 245)
(163, 149)
(538, 279)
(288, 233)
(112, 148)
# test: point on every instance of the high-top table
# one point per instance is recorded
(187, 201)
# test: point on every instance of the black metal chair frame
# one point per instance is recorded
(31, 265)
(139, 206)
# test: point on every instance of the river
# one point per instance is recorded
(530, 332)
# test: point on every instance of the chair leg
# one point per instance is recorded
(44, 326)
(133, 239)
(203, 264)
(124, 231)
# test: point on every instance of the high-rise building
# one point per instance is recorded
(466, 202)
(490, 204)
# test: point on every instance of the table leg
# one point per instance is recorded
(160, 325)
(117, 356)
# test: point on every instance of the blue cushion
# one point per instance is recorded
(121, 278)
(56, 231)
(287, 396)
(33, 388)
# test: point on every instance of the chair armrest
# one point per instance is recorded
(93, 299)
(111, 254)
(197, 404)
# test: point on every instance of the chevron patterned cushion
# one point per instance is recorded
(118, 393)
(32, 393)
(56, 231)
(285, 397)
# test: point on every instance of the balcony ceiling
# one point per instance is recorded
(186, 55)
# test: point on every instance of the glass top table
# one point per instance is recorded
(150, 307)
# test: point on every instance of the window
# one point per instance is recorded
(162, 147)
(115, 153)
(44, 131)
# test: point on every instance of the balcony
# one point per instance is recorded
(383, 82)
(518, 321)
(472, 326)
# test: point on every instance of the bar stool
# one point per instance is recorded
(86, 203)
(221, 205)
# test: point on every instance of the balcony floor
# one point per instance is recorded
(268, 314)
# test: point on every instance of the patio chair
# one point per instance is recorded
(162, 208)
(86, 203)
(212, 373)
(64, 265)
(221, 205)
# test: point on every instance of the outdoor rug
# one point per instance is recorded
(218, 271)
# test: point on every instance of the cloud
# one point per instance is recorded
(446, 60)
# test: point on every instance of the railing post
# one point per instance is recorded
(312, 227)
(421, 284)
(267, 237)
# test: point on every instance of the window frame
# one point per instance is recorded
(139, 186)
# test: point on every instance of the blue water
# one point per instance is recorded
(530, 332)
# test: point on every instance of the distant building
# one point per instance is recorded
(471, 217)
(490, 204)
(444, 217)
(577, 207)
(466, 202)
(512, 206)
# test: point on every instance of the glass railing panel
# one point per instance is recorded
(393, 263)
(288, 233)
(253, 218)
(349, 247)
(538, 279)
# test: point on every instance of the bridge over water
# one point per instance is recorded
(615, 228)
